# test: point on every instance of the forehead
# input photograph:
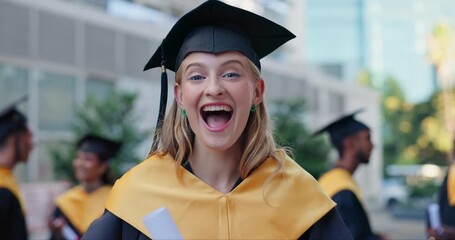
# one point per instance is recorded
(218, 58)
(87, 154)
(364, 132)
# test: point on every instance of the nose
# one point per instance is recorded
(214, 87)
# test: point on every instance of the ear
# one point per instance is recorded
(259, 91)
(178, 95)
(348, 142)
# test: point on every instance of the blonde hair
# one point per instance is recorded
(176, 137)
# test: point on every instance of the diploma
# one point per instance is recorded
(161, 226)
(434, 216)
(68, 233)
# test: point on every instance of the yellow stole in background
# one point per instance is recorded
(451, 185)
(284, 209)
(8, 181)
(83, 208)
(337, 180)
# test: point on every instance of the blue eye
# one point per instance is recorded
(196, 77)
(231, 75)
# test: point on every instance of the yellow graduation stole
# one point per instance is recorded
(83, 208)
(451, 185)
(284, 209)
(8, 181)
(337, 180)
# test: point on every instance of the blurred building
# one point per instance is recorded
(61, 51)
(385, 37)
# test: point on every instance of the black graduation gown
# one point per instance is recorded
(109, 226)
(58, 213)
(447, 212)
(12, 219)
(354, 215)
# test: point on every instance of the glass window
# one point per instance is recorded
(99, 88)
(13, 85)
(56, 101)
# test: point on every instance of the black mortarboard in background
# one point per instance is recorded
(343, 127)
(215, 27)
(11, 120)
(104, 148)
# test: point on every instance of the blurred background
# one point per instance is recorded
(80, 62)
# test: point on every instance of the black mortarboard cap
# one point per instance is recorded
(104, 148)
(11, 120)
(343, 127)
(216, 27)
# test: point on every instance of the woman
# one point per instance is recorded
(78, 207)
(214, 163)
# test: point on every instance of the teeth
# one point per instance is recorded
(217, 108)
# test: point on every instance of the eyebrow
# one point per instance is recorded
(232, 61)
(194, 65)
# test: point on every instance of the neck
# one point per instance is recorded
(90, 187)
(220, 170)
(348, 163)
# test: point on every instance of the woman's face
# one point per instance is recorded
(88, 168)
(217, 92)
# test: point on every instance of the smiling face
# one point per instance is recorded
(88, 168)
(217, 92)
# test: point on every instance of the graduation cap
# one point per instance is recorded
(11, 120)
(104, 148)
(343, 127)
(215, 27)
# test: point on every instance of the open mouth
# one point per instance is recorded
(216, 116)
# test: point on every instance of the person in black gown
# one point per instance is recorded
(214, 163)
(446, 208)
(352, 140)
(15, 147)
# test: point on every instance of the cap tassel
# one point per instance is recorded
(163, 103)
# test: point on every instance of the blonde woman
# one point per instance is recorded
(214, 164)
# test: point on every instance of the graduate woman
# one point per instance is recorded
(78, 207)
(214, 163)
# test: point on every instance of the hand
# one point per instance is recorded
(383, 237)
(443, 233)
(56, 225)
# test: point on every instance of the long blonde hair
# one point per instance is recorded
(176, 137)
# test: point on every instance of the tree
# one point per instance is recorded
(112, 118)
(441, 52)
(309, 152)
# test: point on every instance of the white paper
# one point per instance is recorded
(68, 233)
(161, 226)
(434, 216)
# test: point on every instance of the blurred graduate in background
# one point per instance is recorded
(78, 207)
(16, 143)
(446, 224)
(352, 140)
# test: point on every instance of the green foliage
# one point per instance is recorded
(424, 189)
(411, 133)
(309, 152)
(112, 118)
